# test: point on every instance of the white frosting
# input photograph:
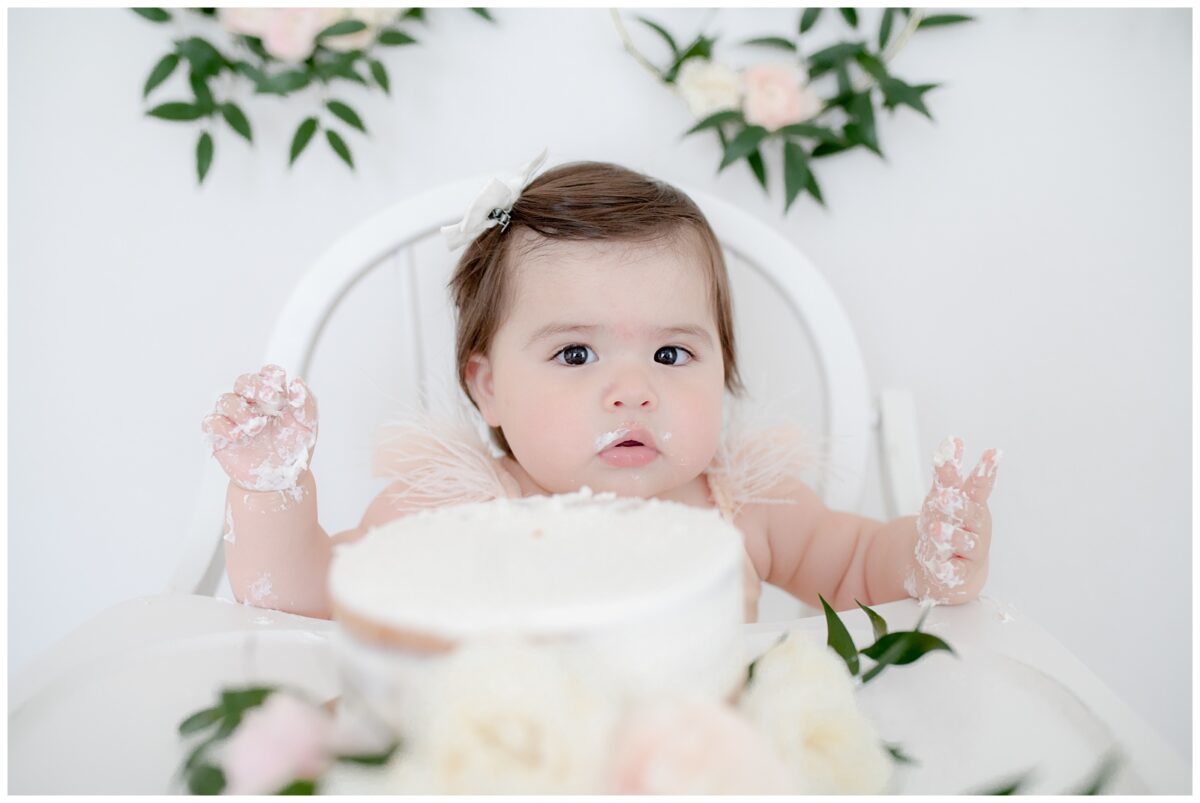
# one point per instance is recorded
(538, 565)
(646, 589)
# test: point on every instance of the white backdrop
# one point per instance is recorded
(1022, 264)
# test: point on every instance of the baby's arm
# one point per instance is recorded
(840, 556)
(942, 554)
(279, 555)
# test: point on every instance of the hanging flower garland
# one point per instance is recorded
(278, 51)
(776, 102)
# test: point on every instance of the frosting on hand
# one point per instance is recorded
(264, 432)
(954, 528)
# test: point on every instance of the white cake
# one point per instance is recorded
(647, 590)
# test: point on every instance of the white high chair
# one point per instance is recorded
(98, 712)
(780, 299)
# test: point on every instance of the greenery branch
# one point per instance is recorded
(247, 60)
(860, 71)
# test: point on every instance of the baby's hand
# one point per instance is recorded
(954, 528)
(263, 434)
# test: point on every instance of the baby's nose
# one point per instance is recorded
(630, 394)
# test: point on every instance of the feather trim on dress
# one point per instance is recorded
(441, 458)
(754, 459)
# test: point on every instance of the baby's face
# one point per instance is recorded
(607, 344)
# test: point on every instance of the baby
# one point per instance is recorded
(595, 338)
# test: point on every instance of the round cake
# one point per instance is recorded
(646, 590)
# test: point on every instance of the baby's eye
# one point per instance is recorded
(575, 355)
(672, 355)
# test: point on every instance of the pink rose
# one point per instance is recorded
(277, 742)
(775, 96)
(693, 747)
(290, 33)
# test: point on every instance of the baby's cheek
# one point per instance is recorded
(695, 433)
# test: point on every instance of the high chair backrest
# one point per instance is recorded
(386, 279)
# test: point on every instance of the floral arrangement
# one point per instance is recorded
(777, 103)
(277, 51)
(513, 718)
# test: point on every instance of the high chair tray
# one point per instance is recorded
(99, 713)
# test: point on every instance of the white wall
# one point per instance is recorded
(1023, 265)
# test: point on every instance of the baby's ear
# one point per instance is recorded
(483, 392)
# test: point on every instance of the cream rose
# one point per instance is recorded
(776, 96)
(511, 719)
(709, 87)
(375, 19)
(802, 699)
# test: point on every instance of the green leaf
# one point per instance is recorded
(250, 71)
(813, 189)
(205, 60)
(1100, 780)
(772, 41)
(380, 75)
(162, 70)
(661, 31)
(372, 759)
(342, 28)
(1008, 787)
(811, 131)
(206, 780)
(701, 48)
(900, 648)
(715, 120)
(878, 625)
(299, 787)
(830, 148)
(236, 701)
(839, 638)
(198, 753)
(391, 37)
(885, 26)
(897, 93)
(199, 721)
(204, 98)
(746, 141)
(303, 134)
(176, 111)
(795, 172)
(483, 12)
(755, 160)
(872, 66)
(898, 755)
(943, 19)
(417, 14)
(830, 57)
(283, 83)
(339, 146)
(850, 15)
(346, 114)
(861, 131)
(809, 18)
(237, 121)
(154, 14)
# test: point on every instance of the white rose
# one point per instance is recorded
(709, 87)
(508, 719)
(375, 19)
(802, 699)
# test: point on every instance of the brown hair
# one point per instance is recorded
(581, 201)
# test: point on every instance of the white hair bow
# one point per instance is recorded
(492, 205)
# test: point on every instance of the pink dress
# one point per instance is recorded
(444, 459)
